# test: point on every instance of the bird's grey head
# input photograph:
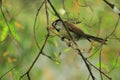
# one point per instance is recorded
(57, 24)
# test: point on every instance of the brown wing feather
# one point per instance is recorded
(79, 32)
(74, 29)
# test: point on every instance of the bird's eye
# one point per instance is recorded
(54, 24)
(57, 25)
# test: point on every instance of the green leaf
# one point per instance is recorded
(103, 66)
(14, 32)
(57, 62)
(66, 50)
(4, 33)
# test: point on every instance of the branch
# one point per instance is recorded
(27, 72)
(116, 25)
(78, 50)
(34, 30)
(116, 62)
(87, 65)
(45, 41)
(8, 71)
(100, 60)
(114, 8)
(67, 30)
(99, 70)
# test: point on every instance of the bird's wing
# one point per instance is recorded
(74, 29)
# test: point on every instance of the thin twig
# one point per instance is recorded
(99, 70)
(27, 72)
(47, 16)
(87, 65)
(28, 76)
(117, 38)
(116, 62)
(100, 61)
(94, 53)
(47, 36)
(67, 30)
(116, 25)
(89, 6)
(5, 19)
(34, 28)
(79, 52)
(114, 8)
(8, 71)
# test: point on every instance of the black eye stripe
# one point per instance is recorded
(54, 24)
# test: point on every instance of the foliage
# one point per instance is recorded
(24, 35)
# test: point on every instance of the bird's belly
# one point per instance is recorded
(64, 34)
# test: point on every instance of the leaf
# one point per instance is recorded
(76, 6)
(18, 25)
(66, 50)
(53, 42)
(4, 33)
(103, 66)
(14, 32)
(57, 62)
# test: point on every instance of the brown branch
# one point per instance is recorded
(117, 38)
(8, 71)
(34, 30)
(94, 53)
(33, 63)
(47, 16)
(7, 23)
(78, 50)
(87, 65)
(115, 9)
(111, 5)
(27, 72)
(99, 70)
(61, 21)
(28, 76)
(45, 41)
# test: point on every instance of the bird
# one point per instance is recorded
(74, 31)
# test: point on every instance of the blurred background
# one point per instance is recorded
(18, 46)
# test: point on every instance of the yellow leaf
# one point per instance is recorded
(97, 1)
(10, 75)
(17, 24)
(5, 54)
(76, 6)
(11, 60)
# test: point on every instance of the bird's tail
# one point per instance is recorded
(100, 40)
